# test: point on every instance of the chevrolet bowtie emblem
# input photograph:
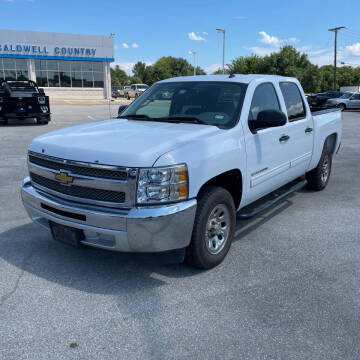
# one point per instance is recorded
(64, 178)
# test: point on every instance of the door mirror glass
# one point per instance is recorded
(267, 119)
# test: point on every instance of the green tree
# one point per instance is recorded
(118, 77)
(139, 70)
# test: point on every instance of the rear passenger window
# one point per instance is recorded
(293, 100)
(264, 98)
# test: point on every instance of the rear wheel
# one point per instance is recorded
(128, 96)
(214, 228)
(40, 121)
(319, 177)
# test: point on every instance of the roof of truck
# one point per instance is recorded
(241, 78)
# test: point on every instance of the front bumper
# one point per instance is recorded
(145, 229)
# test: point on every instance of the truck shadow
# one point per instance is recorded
(31, 249)
(14, 122)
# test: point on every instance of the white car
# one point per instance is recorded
(123, 90)
(174, 171)
(135, 90)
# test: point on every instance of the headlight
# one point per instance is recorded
(162, 185)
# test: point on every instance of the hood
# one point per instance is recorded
(119, 142)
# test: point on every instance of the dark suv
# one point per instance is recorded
(22, 100)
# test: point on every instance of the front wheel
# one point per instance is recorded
(214, 228)
(319, 177)
(342, 107)
(128, 96)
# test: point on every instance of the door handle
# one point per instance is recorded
(284, 138)
(308, 130)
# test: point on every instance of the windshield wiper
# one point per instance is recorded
(135, 117)
(190, 119)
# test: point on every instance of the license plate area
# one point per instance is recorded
(66, 234)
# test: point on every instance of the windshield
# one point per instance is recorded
(142, 86)
(346, 96)
(206, 102)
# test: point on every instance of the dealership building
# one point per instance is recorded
(65, 65)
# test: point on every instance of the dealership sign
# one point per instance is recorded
(21, 49)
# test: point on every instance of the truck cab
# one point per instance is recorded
(180, 164)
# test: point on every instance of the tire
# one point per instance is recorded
(136, 95)
(41, 121)
(128, 96)
(319, 177)
(6, 122)
(214, 228)
(342, 107)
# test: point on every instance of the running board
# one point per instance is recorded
(269, 200)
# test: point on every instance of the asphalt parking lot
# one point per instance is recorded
(288, 289)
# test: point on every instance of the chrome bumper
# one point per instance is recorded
(145, 229)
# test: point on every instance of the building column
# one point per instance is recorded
(107, 80)
(31, 69)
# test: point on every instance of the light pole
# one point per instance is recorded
(335, 31)
(222, 31)
(193, 52)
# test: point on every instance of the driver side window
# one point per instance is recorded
(264, 98)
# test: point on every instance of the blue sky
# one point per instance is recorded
(146, 30)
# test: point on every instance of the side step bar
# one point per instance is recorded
(269, 200)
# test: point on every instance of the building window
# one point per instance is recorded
(13, 69)
(65, 73)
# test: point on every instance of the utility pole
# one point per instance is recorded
(222, 31)
(193, 52)
(335, 31)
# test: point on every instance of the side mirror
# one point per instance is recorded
(122, 108)
(267, 119)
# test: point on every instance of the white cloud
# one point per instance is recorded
(205, 33)
(196, 37)
(125, 45)
(270, 40)
(135, 46)
(212, 68)
(274, 41)
(262, 51)
(354, 49)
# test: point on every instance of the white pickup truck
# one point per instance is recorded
(181, 163)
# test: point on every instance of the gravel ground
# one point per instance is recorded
(288, 289)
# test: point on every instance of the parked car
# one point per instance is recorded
(175, 172)
(319, 100)
(346, 101)
(22, 100)
(136, 90)
(123, 90)
(115, 93)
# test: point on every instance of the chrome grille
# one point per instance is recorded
(79, 191)
(91, 183)
(76, 169)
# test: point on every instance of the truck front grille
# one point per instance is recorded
(79, 191)
(90, 183)
(80, 170)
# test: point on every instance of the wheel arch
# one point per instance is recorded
(330, 142)
(231, 180)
